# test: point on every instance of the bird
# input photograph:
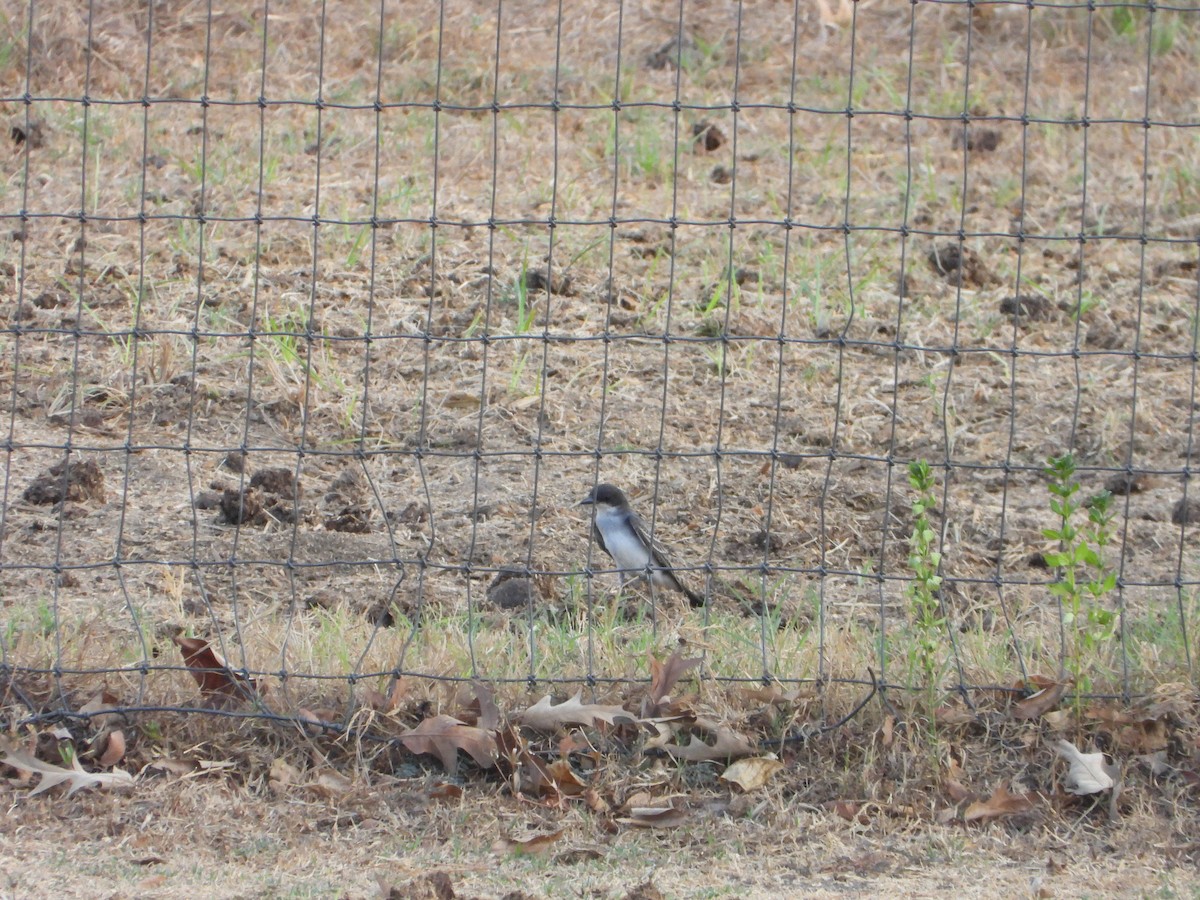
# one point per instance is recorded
(621, 534)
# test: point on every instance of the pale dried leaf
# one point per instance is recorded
(654, 817)
(1088, 773)
(443, 736)
(1037, 705)
(52, 775)
(953, 783)
(1002, 803)
(534, 846)
(330, 784)
(564, 778)
(114, 750)
(489, 712)
(178, 767)
(751, 774)
(664, 675)
(728, 745)
(545, 716)
(283, 772)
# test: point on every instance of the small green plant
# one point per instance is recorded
(924, 562)
(518, 292)
(1082, 577)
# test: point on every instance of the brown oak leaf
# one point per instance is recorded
(443, 736)
(1002, 803)
(545, 716)
(219, 685)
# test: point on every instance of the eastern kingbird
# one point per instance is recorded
(621, 534)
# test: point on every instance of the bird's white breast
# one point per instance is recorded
(621, 541)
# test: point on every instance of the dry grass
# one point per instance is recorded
(169, 328)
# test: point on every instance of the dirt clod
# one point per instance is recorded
(670, 53)
(547, 282)
(435, 886)
(31, 132)
(510, 589)
(709, 137)
(1027, 306)
(976, 138)
(1186, 512)
(242, 507)
(645, 891)
(1123, 483)
(721, 175)
(72, 481)
(951, 260)
(280, 481)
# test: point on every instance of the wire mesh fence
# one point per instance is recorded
(320, 322)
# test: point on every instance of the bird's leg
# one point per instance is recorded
(653, 602)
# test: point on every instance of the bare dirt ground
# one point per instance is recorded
(316, 446)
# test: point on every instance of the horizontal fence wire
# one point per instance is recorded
(319, 325)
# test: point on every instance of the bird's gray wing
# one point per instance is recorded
(662, 560)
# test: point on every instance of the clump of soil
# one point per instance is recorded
(347, 502)
(709, 137)
(976, 138)
(65, 480)
(271, 496)
(279, 481)
(952, 259)
(1186, 512)
(1027, 306)
(511, 589)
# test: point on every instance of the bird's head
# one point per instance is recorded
(604, 496)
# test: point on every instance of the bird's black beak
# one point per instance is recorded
(587, 501)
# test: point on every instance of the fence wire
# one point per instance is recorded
(320, 322)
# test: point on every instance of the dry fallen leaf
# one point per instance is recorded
(96, 708)
(443, 736)
(654, 817)
(1002, 803)
(330, 784)
(729, 745)
(952, 782)
(114, 750)
(751, 774)
(1088, 773)
(283, 773)
(664, 676)
(489, 712)
(954, 715)
(545, 716)
(53, 775)
(565, 779)
(1037, 705)
(219, 685)
(534, 846)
